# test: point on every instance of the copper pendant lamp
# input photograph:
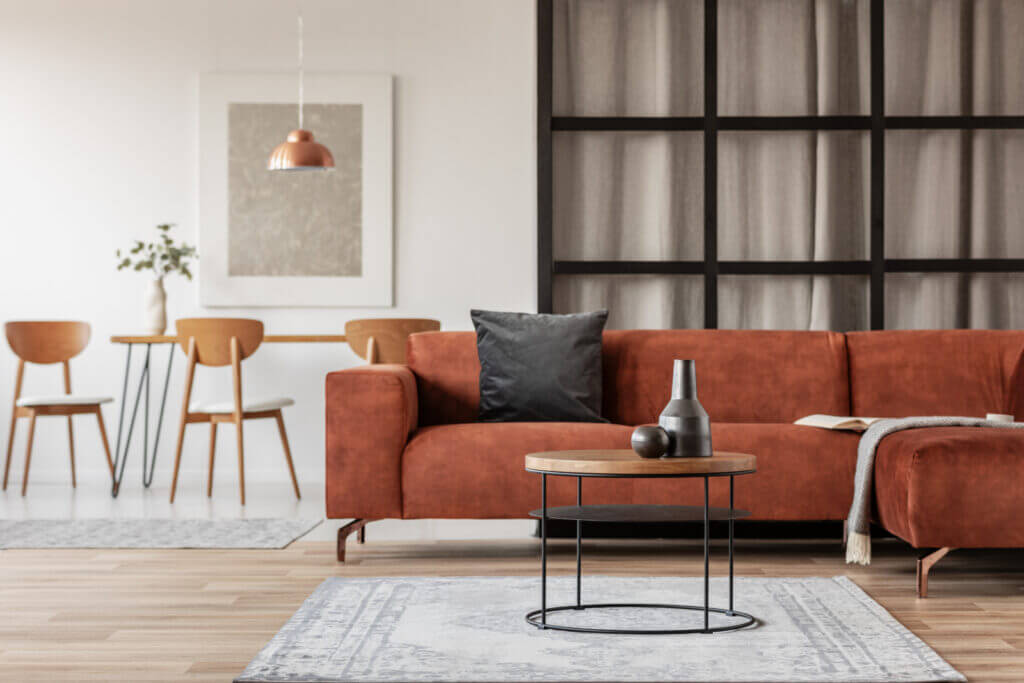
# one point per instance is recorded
(300, 152)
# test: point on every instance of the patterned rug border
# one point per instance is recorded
(279, 533)
(873, 605)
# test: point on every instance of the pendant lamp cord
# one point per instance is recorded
(301, 69)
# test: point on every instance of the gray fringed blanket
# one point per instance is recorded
(858, 524)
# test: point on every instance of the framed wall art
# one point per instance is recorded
(295, 238)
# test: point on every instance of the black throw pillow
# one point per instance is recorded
(539, 367)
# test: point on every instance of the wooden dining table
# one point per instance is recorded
(143, 391)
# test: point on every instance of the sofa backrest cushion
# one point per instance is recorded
(447, 372)
(742, 375)
(899, 373)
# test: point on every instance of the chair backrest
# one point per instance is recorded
(213, 337)
(51, 341)
(389, 336)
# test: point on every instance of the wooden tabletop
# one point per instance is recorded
(625, 462)
(269, 338)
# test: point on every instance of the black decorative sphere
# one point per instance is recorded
(650, 441)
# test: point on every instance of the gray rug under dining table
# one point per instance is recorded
(473, 629)
(153, 533)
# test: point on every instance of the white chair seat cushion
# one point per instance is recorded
(62, 400)
(248, 406)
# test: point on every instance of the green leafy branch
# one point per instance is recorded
(162, 257)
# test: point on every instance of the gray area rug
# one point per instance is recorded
(153, 533)
(473, 629)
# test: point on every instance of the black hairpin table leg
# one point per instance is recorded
(115, 486)
(121, 454)
(148, 472)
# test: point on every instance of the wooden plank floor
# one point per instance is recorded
(201, 615)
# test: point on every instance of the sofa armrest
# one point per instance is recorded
(371, 411)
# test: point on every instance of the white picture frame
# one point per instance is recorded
(374, 286)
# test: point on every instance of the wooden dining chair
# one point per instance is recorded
(220, 342)
(382, 340)
(45, 343)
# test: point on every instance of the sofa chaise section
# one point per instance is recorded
(951, 487)
(475, 471)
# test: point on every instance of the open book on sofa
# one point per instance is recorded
(853, 424)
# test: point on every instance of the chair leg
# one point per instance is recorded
(287, 452)
(10, 449)
(186, 396)
(28, 450)
(71, 444)
(924, 565)
(106, 443)
(177, 457)
(213, 450)
(241, 461)
(356, 525)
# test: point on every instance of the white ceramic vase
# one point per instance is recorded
(154, 319)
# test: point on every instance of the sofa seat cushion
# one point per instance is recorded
(952, 486)
(476, 470)
(803, 473)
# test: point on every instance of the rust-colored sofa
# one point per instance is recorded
(403, 440)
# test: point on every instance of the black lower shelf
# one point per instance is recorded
(638, 513)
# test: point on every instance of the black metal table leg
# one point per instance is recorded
(121, 457)
(731, 536)
(148, 472)
(707, 553)
(544, 551)
(145, 415)
(120, 420)
(579, 542)
(121, 454)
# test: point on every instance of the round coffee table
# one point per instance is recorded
(626, 464)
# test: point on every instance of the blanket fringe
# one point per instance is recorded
(858, 548)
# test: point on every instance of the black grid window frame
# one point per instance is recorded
(876, 124)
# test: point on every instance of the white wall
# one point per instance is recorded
(98, 108)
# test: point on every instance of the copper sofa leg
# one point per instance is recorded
(924, 565)
(356, 525)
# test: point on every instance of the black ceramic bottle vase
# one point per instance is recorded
(684, 418)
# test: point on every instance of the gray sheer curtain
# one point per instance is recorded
(956, 194)
(630, 196)
(788, 195)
